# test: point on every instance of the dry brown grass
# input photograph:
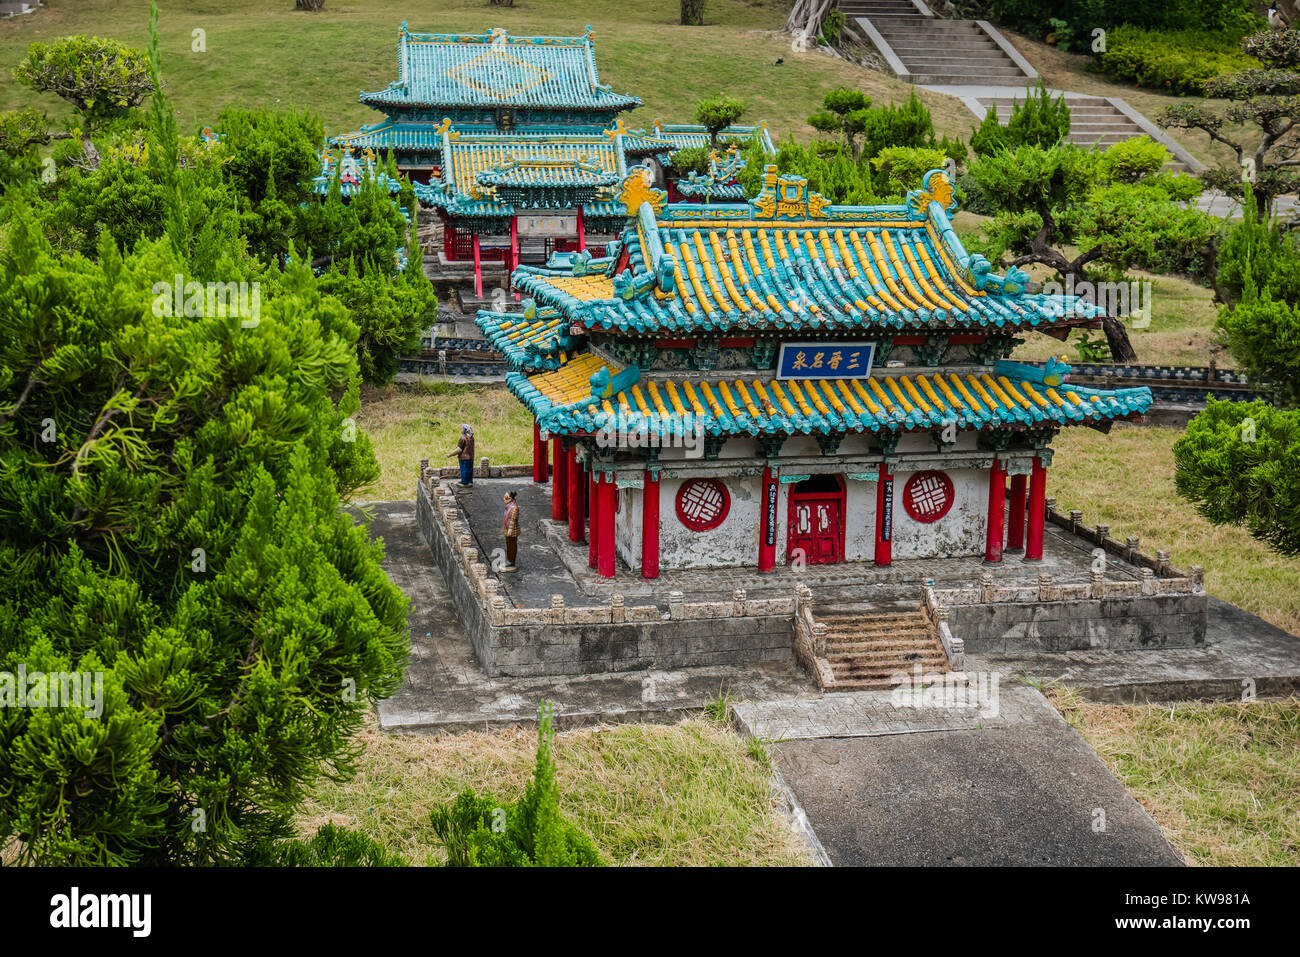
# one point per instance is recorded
(1126, 480)
(675, 795)
(1222, 780)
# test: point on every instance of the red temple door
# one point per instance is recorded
(816, 528)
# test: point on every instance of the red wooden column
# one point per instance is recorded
(1037, 512)
(997, 512)
(608, 491)
(478, 269)
(650, 525)
(574, 469)
(593, 519)
(541, 468)
(1016, 520)
(559, 482)
(884, 516)
(767, 525)
(449, 241)
(514, 251)
(582, 232)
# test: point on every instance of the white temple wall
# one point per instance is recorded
(734, 542)
(959, 532)
(860, 522)
(627, 526)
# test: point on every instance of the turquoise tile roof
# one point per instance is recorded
(534, 339)
(392, 134)
(488, 174)
(787, 260)
(497, 70)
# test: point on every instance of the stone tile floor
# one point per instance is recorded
(552, 565)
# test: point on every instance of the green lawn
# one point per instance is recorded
(1222, 780)
(688, 794)
(261, 52)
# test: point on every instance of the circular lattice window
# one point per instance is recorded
(702, 504)
(928, 496)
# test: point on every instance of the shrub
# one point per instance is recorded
(333, 846)
(1179, 62)
(1259, 258)
(1038, 121)
(901, 167)
(1039, 19)
(480, 832)
(1239, 463)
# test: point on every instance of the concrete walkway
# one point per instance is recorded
(922, 788)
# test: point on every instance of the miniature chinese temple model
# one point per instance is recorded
(518, 145)
(783, 380)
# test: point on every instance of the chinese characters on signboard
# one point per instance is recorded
(825, 360)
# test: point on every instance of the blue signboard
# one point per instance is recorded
(825, 360)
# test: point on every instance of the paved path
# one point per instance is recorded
(1021, 788)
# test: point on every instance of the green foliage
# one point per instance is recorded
(332, 846)
(479, 832)
(1118, 208)
(1259, 257)
(101, 78)
(1177, 62)
(1040, 19)
(1263, 335)
(692, 13)
(268, 161)
(1090, 349)
(169, 489)
(1239, 463)
(717, 113)
(1039, 120)
(901, 168)
(691, 159)
(833, 27)
(225, 669)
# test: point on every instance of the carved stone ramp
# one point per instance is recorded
(922, 48)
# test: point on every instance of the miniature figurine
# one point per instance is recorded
(465, 453)
(510, 526)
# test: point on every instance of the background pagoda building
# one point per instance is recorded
(516, 143)
(785, 380)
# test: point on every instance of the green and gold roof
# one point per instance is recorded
(585, 396)
(788, 260)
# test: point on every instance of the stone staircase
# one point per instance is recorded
(1094, 121)
(922, 48)
(867, 644)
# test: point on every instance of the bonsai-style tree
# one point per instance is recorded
(102, 79)
(1069, 208)
(1265, 100)
(312, 5)
(717, 113)
(692, 13)
(845, 112)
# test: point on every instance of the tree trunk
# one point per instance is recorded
(1121, 350)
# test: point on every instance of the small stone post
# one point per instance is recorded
(1162, 562)
(617, 609)
(986, 587)
(738, 603)
(676, 605)
(1045, 587)
(1148, 581)
(557, 609)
